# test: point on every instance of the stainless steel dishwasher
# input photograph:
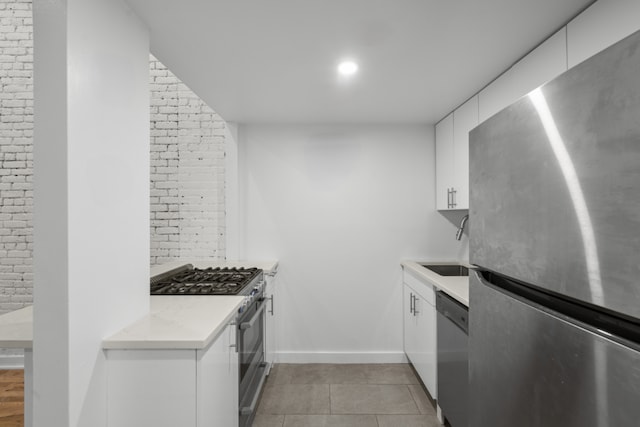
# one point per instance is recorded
(453, 359)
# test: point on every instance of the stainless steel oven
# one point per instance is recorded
(250, 341)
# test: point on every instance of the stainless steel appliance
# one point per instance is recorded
(555, 231)
(453, 362)
(247, 282)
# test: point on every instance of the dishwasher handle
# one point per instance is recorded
(453, 310)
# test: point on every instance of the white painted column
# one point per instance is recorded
(91, 199)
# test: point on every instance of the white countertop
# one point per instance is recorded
(173, 322)
(16, 328)
(178, 322)
(455, 286)
(185, 321)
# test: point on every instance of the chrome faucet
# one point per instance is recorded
(461, 229)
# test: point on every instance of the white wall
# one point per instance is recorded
(91, 213)
(340, 207)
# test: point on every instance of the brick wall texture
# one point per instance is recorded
(187, 172)
(187, 164)
(16, 154)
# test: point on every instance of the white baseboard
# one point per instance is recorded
(11, 361)
(338, 357)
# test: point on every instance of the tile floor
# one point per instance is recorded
(324, 395)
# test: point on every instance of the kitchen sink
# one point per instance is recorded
(447, 269)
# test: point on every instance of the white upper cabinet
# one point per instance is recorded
(465, 118)
(547, 61)
(452, 156)
(601, 25)
(444, 162)
(604, 23)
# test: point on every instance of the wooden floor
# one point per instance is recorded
(12, 398)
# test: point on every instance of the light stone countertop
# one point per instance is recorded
(184, 321)
(179, 322)
(455, 286)
(16, 328)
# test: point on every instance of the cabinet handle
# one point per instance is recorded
(271, 310)
(232, 332)
(411, 303)
(448, 198)
(453, 198)
(415, 311)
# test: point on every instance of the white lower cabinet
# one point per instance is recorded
(217, 382)
(168, 388)
(420, 339)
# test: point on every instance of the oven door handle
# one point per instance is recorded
(247, 410)
(256, 316)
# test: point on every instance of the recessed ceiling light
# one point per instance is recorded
(347, 68)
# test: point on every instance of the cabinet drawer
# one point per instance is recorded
(421, 286)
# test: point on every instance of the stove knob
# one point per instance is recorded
(243, 307)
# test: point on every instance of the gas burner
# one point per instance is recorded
(187, 280)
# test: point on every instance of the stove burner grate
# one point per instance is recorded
(208, 281)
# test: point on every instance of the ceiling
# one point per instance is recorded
(274, 61)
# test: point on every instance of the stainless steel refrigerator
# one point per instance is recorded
(554, 335)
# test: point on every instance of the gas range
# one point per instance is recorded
(187, 280)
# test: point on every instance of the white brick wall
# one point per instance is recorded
(16, 154)
(165, 206)
(187, 164)
(187, 172)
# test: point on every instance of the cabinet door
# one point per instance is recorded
(425, 358)
(217, 382)
(465, 118)
(601, 25)
(444, 161)
(151, 388)
(420, 343)
(270, 323)
(409, 322)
